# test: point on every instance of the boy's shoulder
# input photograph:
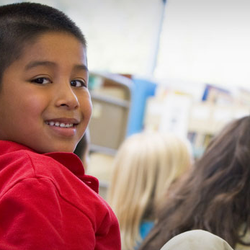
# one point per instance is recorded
(60, 176)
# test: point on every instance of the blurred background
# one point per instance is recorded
(169, 65)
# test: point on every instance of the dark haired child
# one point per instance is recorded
(215, 195)
(46, 200)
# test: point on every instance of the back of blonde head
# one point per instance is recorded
(145, 166)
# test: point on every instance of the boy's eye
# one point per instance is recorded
(78, 83)
(41, 80)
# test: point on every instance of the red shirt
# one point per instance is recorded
(48, 203)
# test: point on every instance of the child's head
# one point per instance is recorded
(22, 23)
(223, 172)
(145, 166)
(44, 99)
(215, 194)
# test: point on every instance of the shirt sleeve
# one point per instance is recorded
(34, 216)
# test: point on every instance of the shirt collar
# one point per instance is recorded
(69, 160)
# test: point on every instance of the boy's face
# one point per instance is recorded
(44, 100)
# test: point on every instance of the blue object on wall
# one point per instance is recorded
(141, 90)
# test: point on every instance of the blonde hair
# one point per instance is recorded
(144, 167)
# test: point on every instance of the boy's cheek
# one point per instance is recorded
(90, 109)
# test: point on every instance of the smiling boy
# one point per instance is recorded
(45, 96)
(46, 200)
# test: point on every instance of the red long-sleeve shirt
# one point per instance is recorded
(47, 202)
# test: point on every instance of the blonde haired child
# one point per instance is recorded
(145, 166)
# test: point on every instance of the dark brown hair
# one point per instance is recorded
(21, 23)
(215, 196)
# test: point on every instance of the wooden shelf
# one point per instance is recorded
(111, 100)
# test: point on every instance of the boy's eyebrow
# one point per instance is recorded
(34, 64)
(81, 67)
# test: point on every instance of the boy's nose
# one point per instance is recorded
(66, 97)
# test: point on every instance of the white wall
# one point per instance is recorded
(206, 41)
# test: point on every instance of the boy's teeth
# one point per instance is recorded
(62, 125)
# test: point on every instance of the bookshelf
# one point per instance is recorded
(111, 101)
(203, 119)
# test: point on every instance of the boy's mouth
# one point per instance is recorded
(60, 124)
(63, 127)
(63, 122)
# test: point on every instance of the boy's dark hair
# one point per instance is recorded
(215, 196)
(21, 23)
